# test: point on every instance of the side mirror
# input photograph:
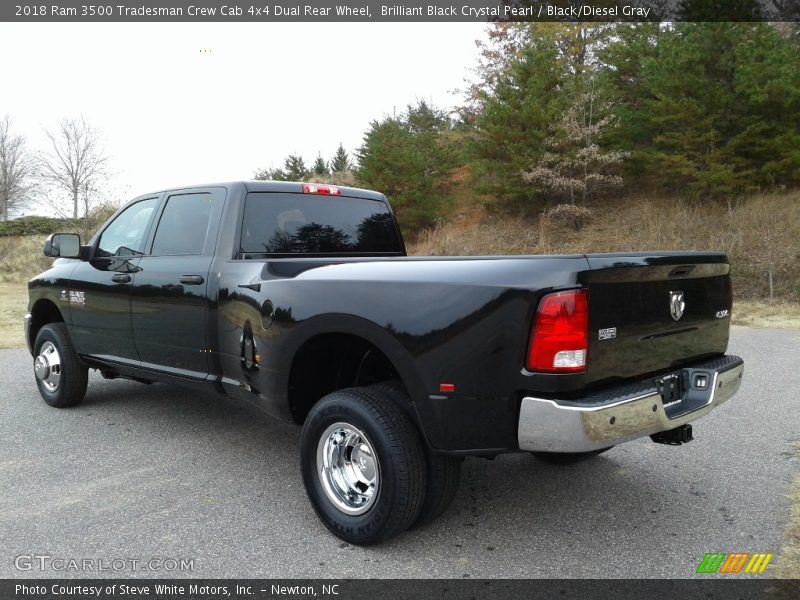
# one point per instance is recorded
(63, 245)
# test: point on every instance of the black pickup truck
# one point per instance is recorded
(300, 299)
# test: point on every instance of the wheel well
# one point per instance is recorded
(331, 362)
(44, 312)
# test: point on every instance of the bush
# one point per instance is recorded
(34, 226)
(568, 214)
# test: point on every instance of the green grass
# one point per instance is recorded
(13, 306)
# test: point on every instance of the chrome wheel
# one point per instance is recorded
(348, 468)
(47, 366)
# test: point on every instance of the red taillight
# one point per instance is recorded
(328, 190)
(559, 341)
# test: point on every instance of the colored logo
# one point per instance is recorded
(734, 562)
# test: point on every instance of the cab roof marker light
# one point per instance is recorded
(325, 190)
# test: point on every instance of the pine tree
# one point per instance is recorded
(514, 118)
(527, 87)
(294, 168)
(320, 167)
(724, 103)
(340, 163)
(409, 157)
(627, 87)
(270, 175)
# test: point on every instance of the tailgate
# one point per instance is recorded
(651, 312)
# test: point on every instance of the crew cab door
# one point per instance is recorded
(99, 296)
(170, 296)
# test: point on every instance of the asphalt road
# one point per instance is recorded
(154, 471)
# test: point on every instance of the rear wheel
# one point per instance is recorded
(60, 376)
(363, 465)
(444, 476)
(444, 472)
(568, 458)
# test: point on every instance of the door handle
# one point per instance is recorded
(121, 278)
(192, 279)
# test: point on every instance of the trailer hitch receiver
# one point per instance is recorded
(674, 437)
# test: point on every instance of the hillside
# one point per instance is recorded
(760, 234)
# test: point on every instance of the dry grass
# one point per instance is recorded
(778, 315)
(759, 234)
(13, 306)
(21, 258)
(788, 563)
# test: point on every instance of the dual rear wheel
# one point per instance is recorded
(366, 469)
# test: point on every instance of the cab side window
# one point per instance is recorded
(125, 236)
(183, 226)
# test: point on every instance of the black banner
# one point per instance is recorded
(396, 10)
(442, 589)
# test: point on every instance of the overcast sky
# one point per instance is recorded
(172, 115)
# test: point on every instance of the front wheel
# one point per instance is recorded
(363, 465)
(60, 375)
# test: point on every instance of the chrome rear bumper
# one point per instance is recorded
(624, 413)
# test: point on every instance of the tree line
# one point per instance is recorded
(567, 113)
(555, 113)
(705, 109)
(339, 167)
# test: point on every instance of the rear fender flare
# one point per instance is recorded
(334, 323)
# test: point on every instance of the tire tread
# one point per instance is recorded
(444, 472)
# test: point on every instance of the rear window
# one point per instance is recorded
(183, 226)
(312, 224)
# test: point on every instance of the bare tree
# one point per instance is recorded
(15, 170)
(775, 255)
(574, 163)
(77, 162)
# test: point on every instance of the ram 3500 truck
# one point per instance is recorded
(300, 299)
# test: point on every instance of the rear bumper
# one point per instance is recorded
(626, 412)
